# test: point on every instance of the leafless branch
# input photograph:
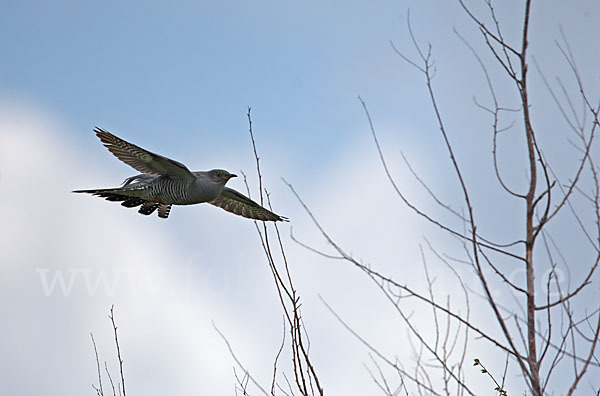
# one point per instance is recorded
(98, 390)
(112, 319)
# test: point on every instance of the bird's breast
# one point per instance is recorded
(201, 191)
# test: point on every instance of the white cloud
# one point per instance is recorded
(104, 255)
(170, 279)
(167, 291)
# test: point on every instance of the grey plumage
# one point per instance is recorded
(164, 182)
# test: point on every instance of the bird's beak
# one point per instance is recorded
(232, 175)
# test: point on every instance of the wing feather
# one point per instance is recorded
(236, 203)
(141, 160)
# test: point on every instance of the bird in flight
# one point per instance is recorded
(164, 182)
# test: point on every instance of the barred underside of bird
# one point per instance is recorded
(165, 182)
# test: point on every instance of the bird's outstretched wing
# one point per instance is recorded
(236, 203)
(142, 160)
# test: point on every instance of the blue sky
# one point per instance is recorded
(192, 68)
(190, 64)
(177, 78)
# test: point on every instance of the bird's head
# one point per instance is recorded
(220, 175)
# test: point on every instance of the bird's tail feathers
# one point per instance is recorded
(130, 198)
(106, 192)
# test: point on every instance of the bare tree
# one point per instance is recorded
(548, 338)
(305, 380)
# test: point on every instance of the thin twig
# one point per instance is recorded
(112, 319)
(100, 391)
